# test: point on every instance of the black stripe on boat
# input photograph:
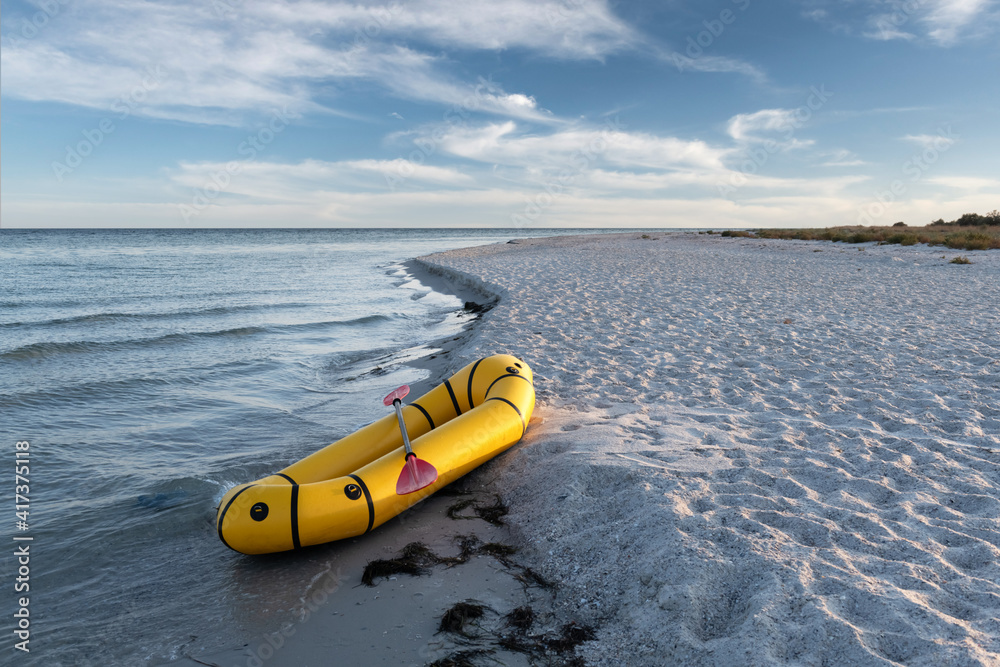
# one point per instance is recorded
(524, 426)
(222, 517)
(425, 413)
(508, 375)
(471, 374)
(368, 498)
(290, 480)
(295, 516)
(454, 401)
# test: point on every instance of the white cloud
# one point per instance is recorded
(939, 142)
(606, 181)
(400, 170)
(722, 64)
(946, 20)
(577, 148)
(883, 27)
(747, 126)
(774, 125)
(582, 29)
(968, 183)
(943, 22)
(266, 181)
(841, 158)
(227, 59)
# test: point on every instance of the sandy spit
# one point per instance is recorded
(754, 452)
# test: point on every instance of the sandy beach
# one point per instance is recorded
(745, 452)
(756, 452)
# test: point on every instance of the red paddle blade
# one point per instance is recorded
(397, 393)
(417, 474)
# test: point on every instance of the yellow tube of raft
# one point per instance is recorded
(349, 488)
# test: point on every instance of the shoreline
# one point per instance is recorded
(337, 604)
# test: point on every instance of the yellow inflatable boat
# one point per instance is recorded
(350, 487)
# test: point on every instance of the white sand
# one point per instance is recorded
(714, 486)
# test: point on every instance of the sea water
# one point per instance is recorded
(152, 370)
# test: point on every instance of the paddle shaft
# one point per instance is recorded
(398, 404)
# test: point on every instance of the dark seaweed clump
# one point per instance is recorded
(470, 545)
(414, 560)
(386, 568)
(457, 616)
(512, 634)
(490, 513)
(453, 511)
(498, 550)
(521, 618)
(477, 308)
(529, 577)
(572, 635)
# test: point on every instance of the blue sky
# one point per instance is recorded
(509, 113)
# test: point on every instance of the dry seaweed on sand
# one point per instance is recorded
(470, 545)
(490, 513)
(521, 618)
(478, 308)
(529, 577)
(502, 552)
(456, 617)
(416, 557)
(413, 560)
(385, 568)
(453, 511)
(419, 553)
(571, 636)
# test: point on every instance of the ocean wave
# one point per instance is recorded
(47, 349)
(44, 350)
(95, 318)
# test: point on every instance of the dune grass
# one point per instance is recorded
(979, 237)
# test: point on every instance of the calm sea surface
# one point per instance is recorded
(151, 370)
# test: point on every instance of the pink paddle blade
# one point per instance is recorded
(417, 474)
(397, 393)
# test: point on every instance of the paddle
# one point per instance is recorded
(417, 473)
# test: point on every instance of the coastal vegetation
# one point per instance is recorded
(969, 232)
